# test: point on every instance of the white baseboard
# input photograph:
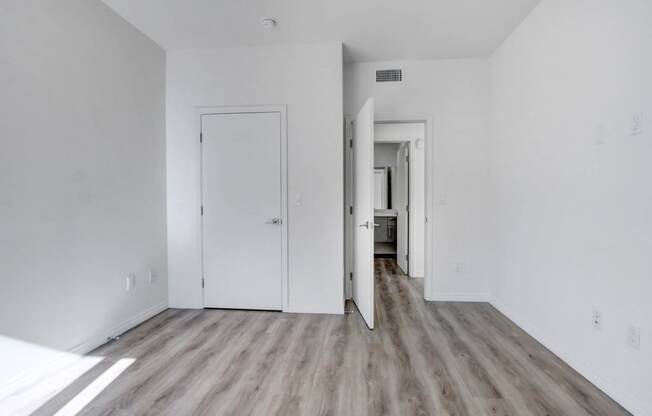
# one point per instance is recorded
(459, 297)
(91, 343)
(611, 389)
(100, 338)
(310, 311)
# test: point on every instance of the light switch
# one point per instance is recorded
(637, 124)
(131, 282)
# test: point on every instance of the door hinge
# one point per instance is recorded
(351, 210)
(202, 210)
(407, 207)
(407, 257)
(351, 143)
(351, 276)
(202, 282)
(201, 137)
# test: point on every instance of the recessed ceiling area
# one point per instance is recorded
(371, 30)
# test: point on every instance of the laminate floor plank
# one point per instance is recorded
(525, 349)
(160, 362)
(512, 377)
(302, 358)
(445, 384)
(189, 362)
(423, 358)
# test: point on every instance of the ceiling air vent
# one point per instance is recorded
(389, 75)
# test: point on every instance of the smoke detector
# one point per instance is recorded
(268, 22)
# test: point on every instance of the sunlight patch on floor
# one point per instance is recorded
(44, 372)
(91, 391)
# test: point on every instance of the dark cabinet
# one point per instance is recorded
(385, 232)
(391, 229)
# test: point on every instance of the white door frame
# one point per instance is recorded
(348, 204)
(282, 110)
(429, 278)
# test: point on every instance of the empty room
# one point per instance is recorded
(345, 208)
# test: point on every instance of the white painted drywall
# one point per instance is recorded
(82, 178)
(455, 93)
(306, 78)
(385, 155)
(572, 186)
(371, 29)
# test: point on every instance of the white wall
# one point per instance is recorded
(455, 93)
(573, 200)
(82, 178)
(306, 78)
(385, 154)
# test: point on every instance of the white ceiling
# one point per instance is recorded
(371, 30)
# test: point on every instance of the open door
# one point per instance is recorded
(403, 197)
(363, 212)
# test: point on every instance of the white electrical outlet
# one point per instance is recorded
(637, 127)
(597, 319)
(131, 282)
(152, 276)
(459, 267)
(634, 337)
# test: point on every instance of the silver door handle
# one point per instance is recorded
(274, 221)
(369, 225)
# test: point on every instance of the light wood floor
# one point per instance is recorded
(423, 359)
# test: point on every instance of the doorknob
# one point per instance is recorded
(274, 221)
(369, 225)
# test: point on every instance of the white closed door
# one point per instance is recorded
(241, 203)
(363, 212)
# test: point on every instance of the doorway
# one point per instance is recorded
(407, 194)
(243, 221)
(387, 199)
(403, 145)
